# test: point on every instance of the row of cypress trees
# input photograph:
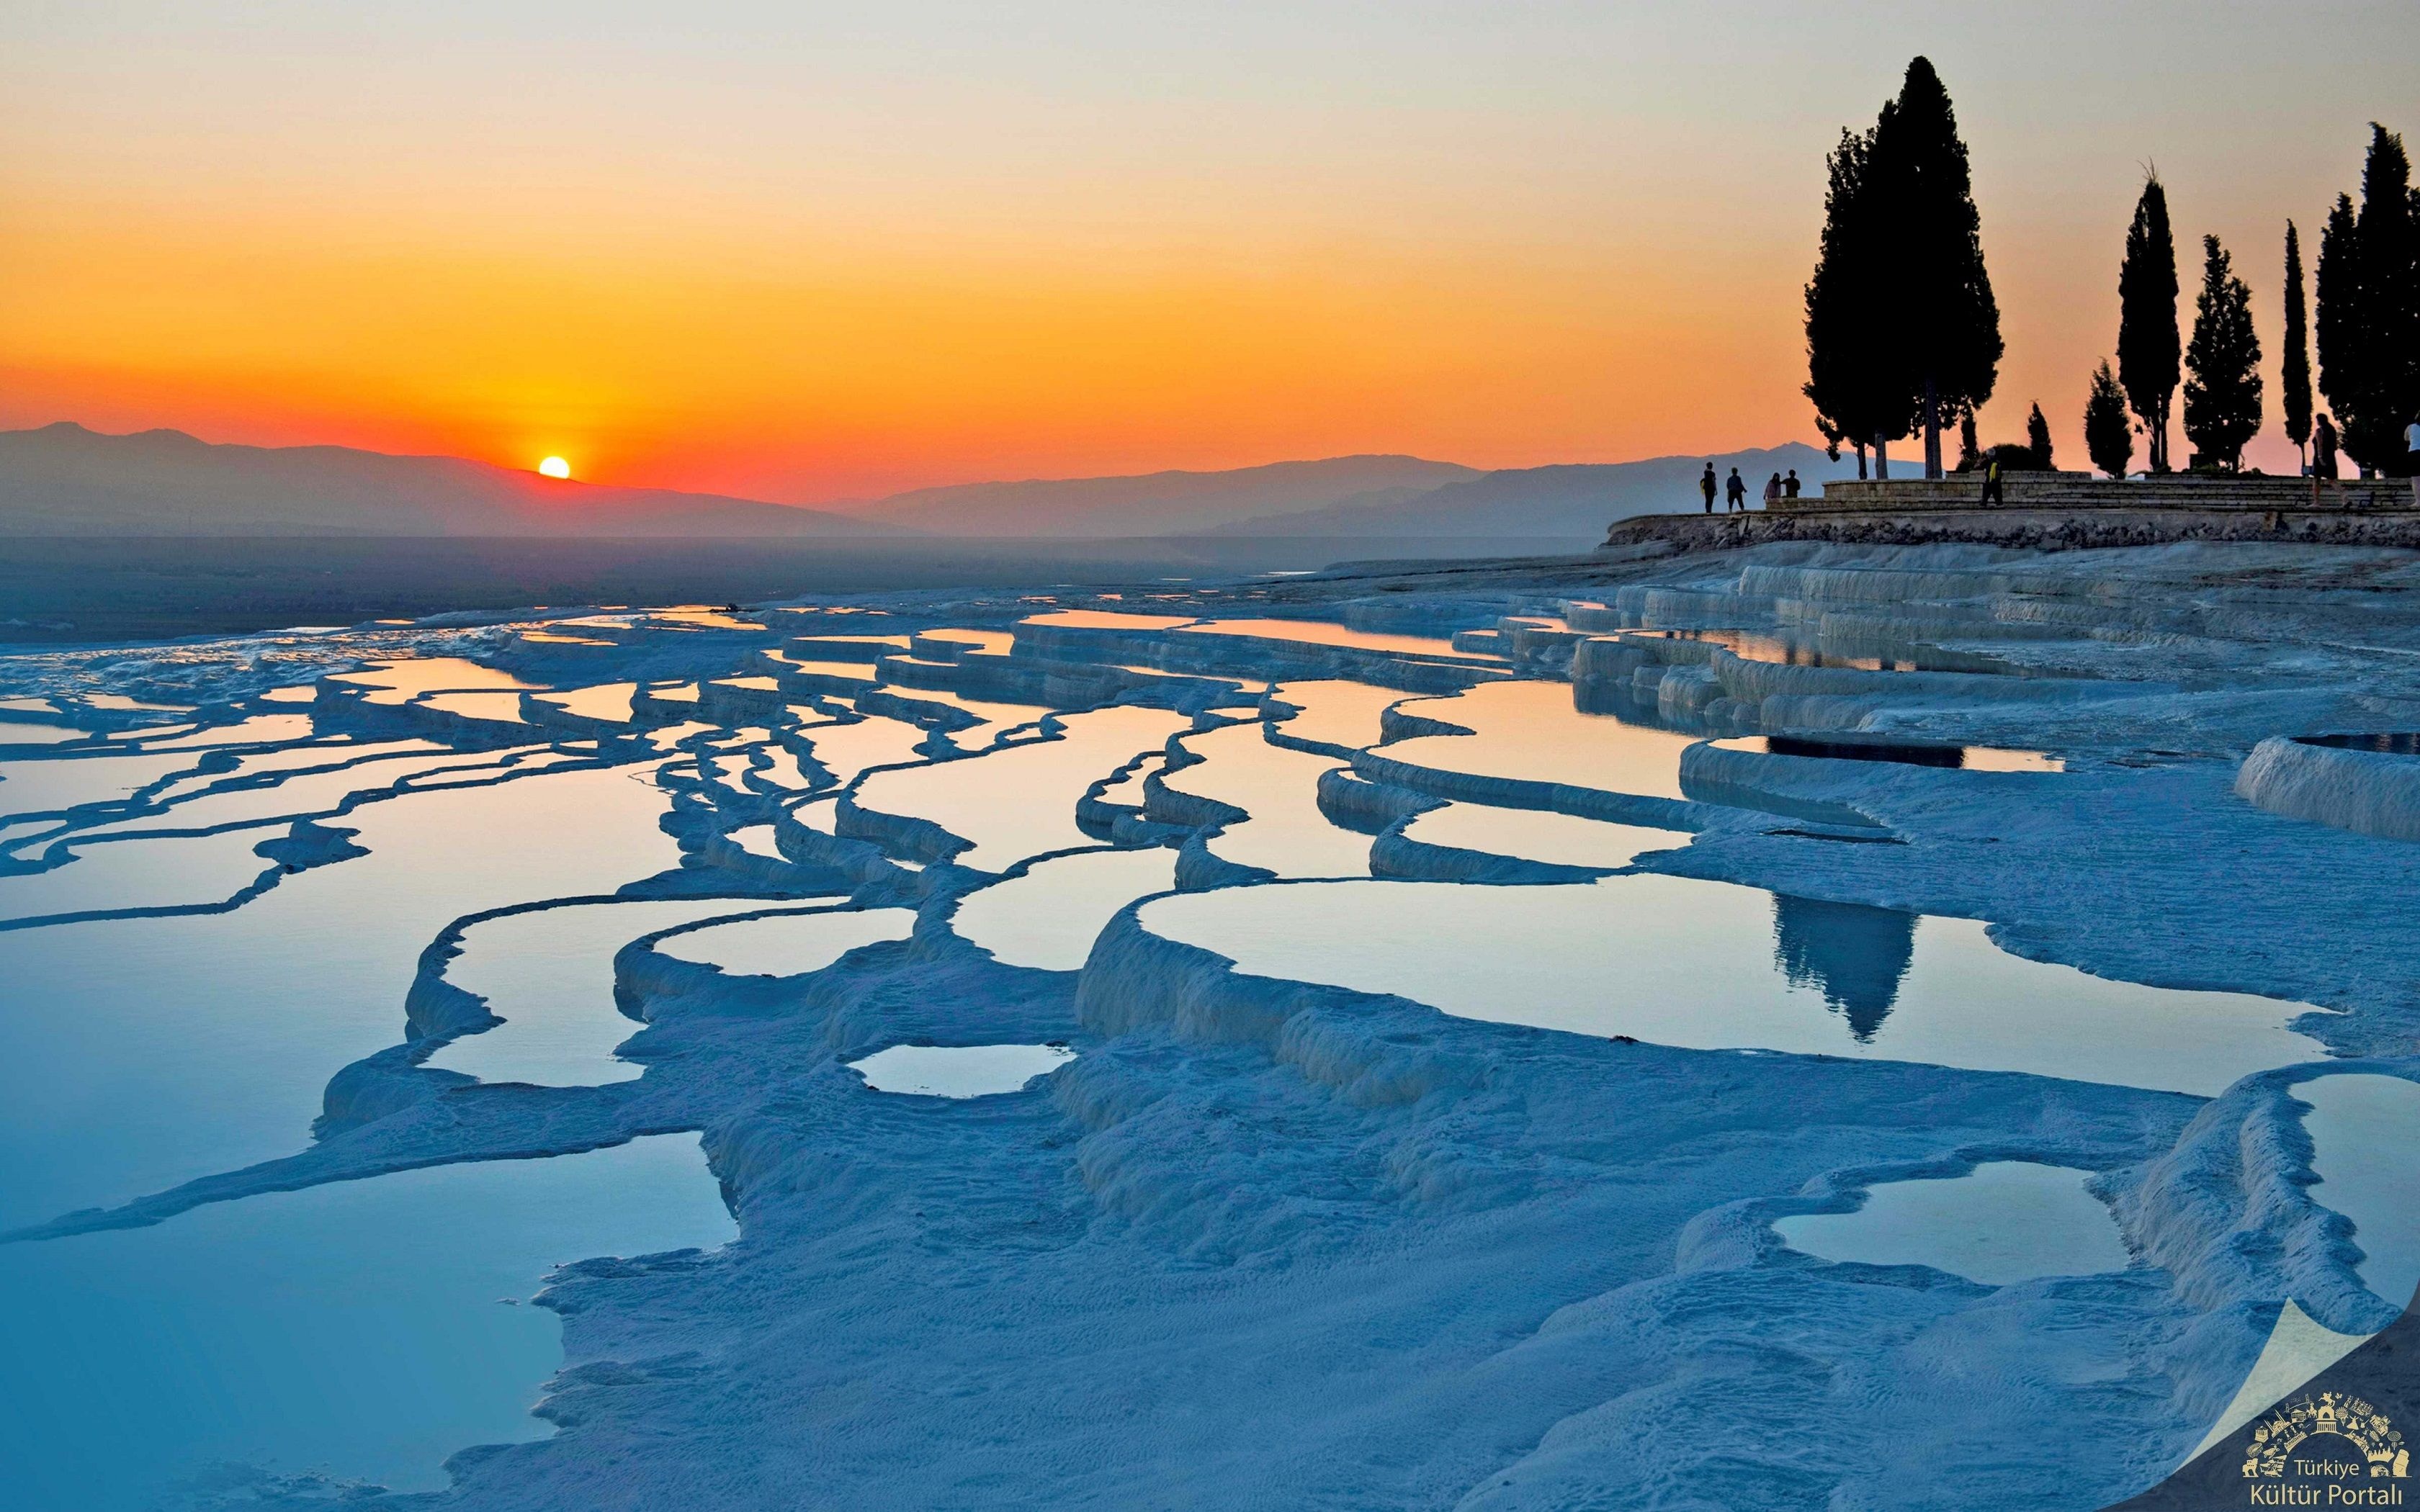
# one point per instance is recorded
(2368, 333)
(1903, 334)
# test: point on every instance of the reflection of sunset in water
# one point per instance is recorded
(1322, 633)
(1531, 731)
(401, 681)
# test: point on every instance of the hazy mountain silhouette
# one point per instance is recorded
(1162, 503)
(1577, 499)
(65, 480)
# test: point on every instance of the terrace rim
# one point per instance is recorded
(2052, 511)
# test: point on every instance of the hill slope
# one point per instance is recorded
(1577, 499)
(65, 480)
(1161, 503)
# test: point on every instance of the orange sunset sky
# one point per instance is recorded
(808, 253)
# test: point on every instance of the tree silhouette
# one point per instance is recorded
(1846, 309)
(2223, 395)
(1946, 350)
(2038, 439)
(2294, 374)
(2108, 436)
(2370, 308)
(2148, 347)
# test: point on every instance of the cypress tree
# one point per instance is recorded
(2223, 395)
(2294, 374)
(2344, 365)
(1846, 380)
(1947, 346)
(2148, 347)
(2370, 308)
(2038, 439)
(2108, 436)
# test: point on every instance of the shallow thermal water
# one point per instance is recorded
(1538, 835)
(1712, 965)
(787, 944)
(845, 750)
(1323, 633)
(1020, 801)
(357, 1328)
(400, 682)
(39, 786)
(203, 1044)
(548, 975)
(1097, 618)
(1332, 711)
(1049, 917)
(1532, 732)
(959, 1071)
(1278, 788)
(604, 701)
(2364, 1131)
(1310, 1250)
(2009, 1220)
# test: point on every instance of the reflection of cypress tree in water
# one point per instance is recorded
(1853, 955)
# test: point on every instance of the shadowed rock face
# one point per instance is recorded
(1855, 955)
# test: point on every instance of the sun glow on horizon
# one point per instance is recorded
(555, 467)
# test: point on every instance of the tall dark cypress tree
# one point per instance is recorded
(2223, 394)
(2343, 338)
(2147, 346)
(2294, 373)
(2370, 308)
(1846, 312)
(1948, 346)
(2109, 439)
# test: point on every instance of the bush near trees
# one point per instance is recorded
(2223, 394)
(2108, 435)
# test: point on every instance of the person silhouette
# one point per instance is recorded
(1790, 485)
(1735, 493)
(1706, 485)
(1772, 490)
(2412, 456)
(1992, 482)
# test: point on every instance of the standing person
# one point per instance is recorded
(1735, 493)
(2323, 457)
(1772, 490)
(1706, 485)
(1790, 485)
(1992, 482)
(2412, 456)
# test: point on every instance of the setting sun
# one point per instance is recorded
(555, 467)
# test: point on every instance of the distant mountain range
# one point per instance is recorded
(1163, 503)
(66, 480)
(1575, 500)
